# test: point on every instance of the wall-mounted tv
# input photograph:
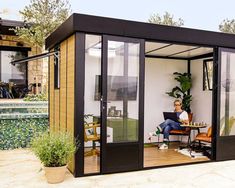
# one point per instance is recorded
(118, 87)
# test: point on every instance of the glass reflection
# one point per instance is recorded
(227, 108)
(92, 104)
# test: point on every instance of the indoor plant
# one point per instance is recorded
(182, 91)
(54, 150)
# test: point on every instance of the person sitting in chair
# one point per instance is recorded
(169, 124)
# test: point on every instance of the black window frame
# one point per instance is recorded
(57, 67)
(206, 75)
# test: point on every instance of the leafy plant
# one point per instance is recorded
(37, 97)
(227, 26)
(18, 133)
(166, 19)
(181, 91)
(41, 18)
(54, 149)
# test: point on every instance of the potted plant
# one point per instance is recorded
(54, 150)
(182, 91)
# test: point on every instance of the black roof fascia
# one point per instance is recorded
(7, 25)
(15, 48)
(61, 33)
(152, 32)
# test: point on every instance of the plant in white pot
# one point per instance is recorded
(54, 150)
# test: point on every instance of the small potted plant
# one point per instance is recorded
(54, 150)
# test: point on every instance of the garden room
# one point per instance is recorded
(114, 83)
(161, 61)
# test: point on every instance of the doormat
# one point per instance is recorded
(193, 155)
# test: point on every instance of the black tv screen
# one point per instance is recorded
(118, 87)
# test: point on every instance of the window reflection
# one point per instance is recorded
(227, 108)
(122, 92)
(9, 72)
(92, 104)
(13, 79)
(208, 74)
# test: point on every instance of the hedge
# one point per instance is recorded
(18, 133)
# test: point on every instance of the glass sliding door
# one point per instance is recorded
(226, 132)
(121, 120)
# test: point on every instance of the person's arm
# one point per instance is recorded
(184, 118)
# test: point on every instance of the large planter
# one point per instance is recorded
(55, 174)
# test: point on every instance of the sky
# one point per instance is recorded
(199, 14)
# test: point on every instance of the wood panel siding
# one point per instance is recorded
(51, 93)
(63, 86)
(70, 90)
(70, 84)
(62, 99)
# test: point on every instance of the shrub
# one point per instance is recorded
(54, 149)
(38, 97)
(18, 133)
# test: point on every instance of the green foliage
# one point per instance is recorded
(19, 132)
(37, 97)
(227, 26)
(185, 82)
(166, 19)
(54, 149)
(41, 18)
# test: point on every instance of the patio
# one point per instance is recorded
(20, 168)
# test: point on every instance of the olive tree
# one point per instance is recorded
(166, 19)
(41, 18)
(227, 26)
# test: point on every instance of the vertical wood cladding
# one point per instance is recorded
(62, 99)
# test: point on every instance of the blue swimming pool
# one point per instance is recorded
(15, 109)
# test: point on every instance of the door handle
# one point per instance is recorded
(103, 103)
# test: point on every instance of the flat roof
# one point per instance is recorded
(6, 25)
(143, 30)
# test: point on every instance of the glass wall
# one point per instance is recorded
(12, 78)
(227, 100)
(92, 104)
(122, 92)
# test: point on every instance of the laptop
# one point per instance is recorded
(170, 115)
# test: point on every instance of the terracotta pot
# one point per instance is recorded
(55, 174)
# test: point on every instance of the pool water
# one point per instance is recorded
(14, 109)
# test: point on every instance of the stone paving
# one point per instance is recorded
(21, 169)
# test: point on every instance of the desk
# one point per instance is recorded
(192, 127)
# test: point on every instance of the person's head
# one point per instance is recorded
(178, 104)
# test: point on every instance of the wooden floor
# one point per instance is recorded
(152, 157)
(155, 157)
(91, 163)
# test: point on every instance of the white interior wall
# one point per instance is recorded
(159, 79)
(201, 105)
